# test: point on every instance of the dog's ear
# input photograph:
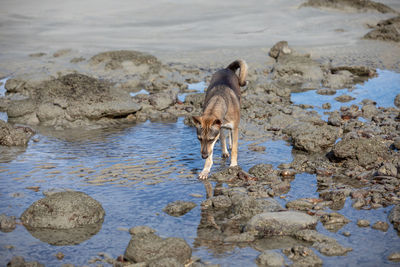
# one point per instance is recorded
(218, 123)
(196, 120)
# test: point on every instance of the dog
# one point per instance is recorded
(221, 110)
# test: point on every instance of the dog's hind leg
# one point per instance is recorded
(222, 139)
(230, 138)
(234, 152)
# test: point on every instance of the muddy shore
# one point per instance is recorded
(352, 151)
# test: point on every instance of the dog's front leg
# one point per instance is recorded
(209, 162)
(207, 167)
(234, 152)
(222, 139)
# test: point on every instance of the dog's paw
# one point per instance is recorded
(203, 175)
(225, 155)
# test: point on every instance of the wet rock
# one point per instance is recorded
(141, 230)
(326, 91)
(63, 210)
(395, 256)
(312, 138)
(280, 223)
(14, 136)
(368, 111)
(256, 148)
(179, 208)
(365, 152)
(280, 48)
(261, 170)
(73, 100)
(386, 30)
(397, 101)
(302, 256)
(326, 245)
(19, 261)
(363, 223)
(339, 80)
(344, 98)
(394, 217)
(333, 221)
(115, 60)
(300, 204)
(7, 223)
(345, 5)
(381, 226)
(270, 259)
(148, 247)
(338, 198)
(163, 100)
(387, 169)
(297, 70)
(326, 106)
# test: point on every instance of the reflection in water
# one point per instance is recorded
(66, 237)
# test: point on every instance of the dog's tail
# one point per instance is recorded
(239, 63)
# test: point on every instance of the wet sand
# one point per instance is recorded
(201, 32)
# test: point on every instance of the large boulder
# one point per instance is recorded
(386, 30)
(63, 210)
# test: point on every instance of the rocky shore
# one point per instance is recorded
(354, 153)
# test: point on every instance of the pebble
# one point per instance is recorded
(363, 223)
(346, 233)
(395, 256)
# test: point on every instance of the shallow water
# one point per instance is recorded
(382, 89)
(134, 172)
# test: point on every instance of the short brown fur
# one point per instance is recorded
(221, 109)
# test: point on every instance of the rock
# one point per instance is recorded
(394, 217)
(381, 226)
(14, 136)
(302, 256)
(148, 247)
(300, 204)
(162, 100)
(344, 98)
(312, 138)
(363, 151)
(115, 59)
(270, 259)
(7, 223)
(141, 230)
(256, 148)
(280, 223)
(395, 256)
(338, 198)
(397, 101)
(345, 5)
(297, 70)
(386, 30)
(279, 48)
(179, 208)
(326, 106)
(339, 80)
(363, 223)
(325, 91)
(326, 245)
(63, 210)
(333, 221)
(71, 101)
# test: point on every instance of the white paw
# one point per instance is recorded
(233, 164)
(203, 175)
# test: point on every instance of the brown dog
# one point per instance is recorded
(221, 110)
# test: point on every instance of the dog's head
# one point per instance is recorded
(208, 129)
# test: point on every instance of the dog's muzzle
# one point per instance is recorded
(204, 156)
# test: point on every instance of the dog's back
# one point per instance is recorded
(226, 79)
